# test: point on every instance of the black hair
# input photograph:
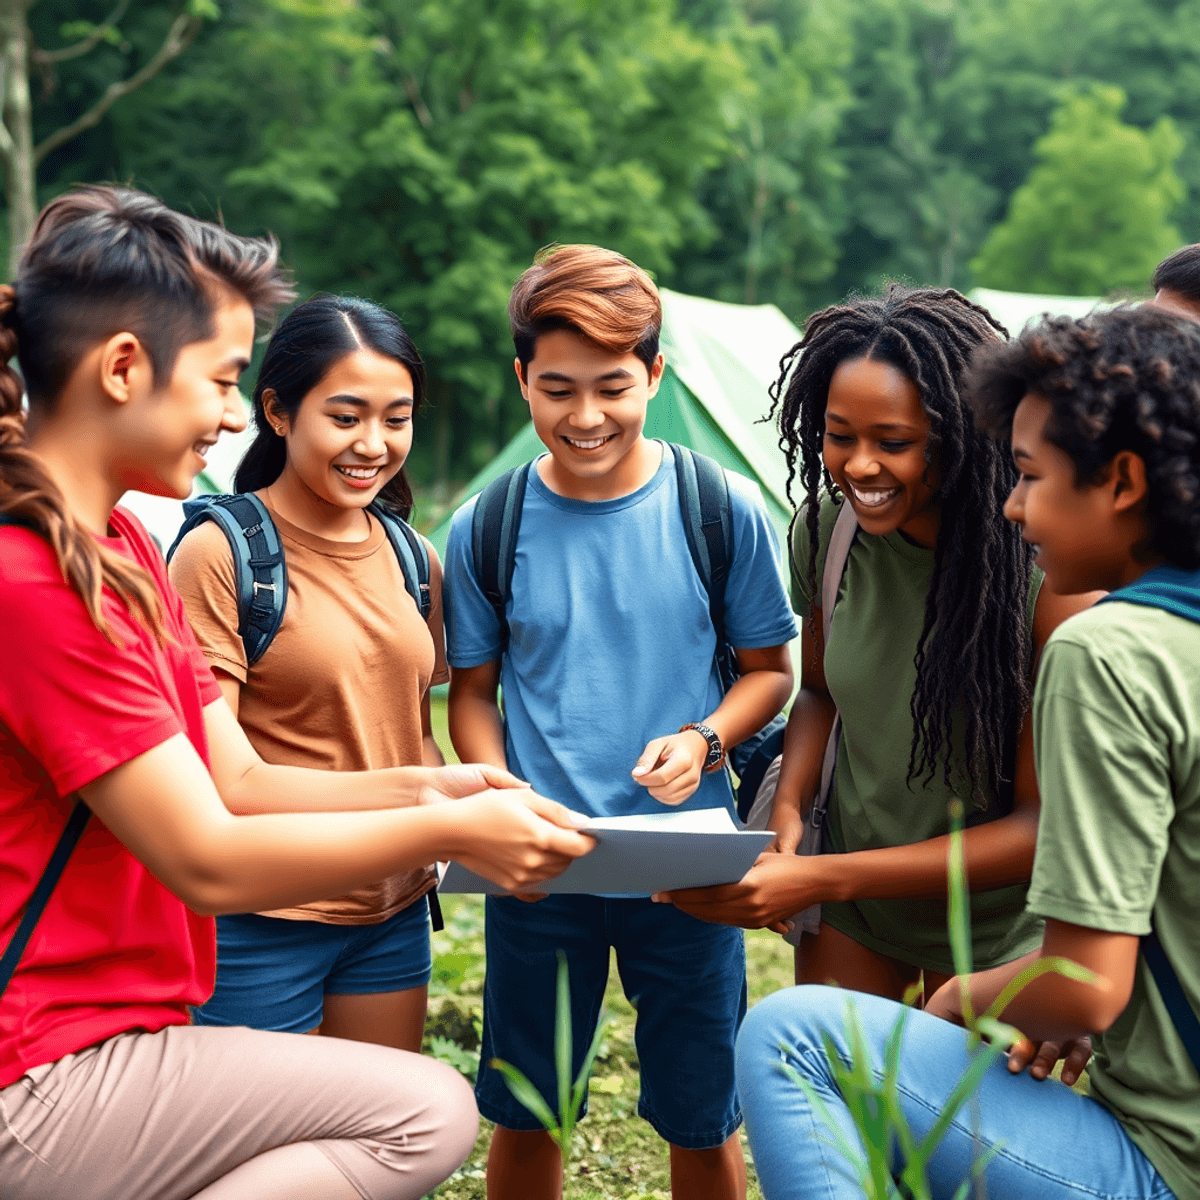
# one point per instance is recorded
(1180, 273)
(973, 657)
(1126, 379)
(309, 341)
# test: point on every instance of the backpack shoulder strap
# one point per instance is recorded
(707, 524)
(494, 527)
(260, 569)
(50, 876)
(412, 555)
(1183, 1016)
(837, 555)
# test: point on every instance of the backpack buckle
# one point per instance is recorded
(263, 587)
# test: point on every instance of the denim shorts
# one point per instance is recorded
(274, 974)
(685, 977)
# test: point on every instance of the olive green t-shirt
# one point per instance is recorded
(1116, 721)
(871, 673)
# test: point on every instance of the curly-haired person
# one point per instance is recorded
(938, 621)
(1104, 420)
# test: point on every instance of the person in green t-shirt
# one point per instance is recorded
(1104, 419)
(930, 656)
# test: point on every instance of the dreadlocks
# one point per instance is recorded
(974, 652)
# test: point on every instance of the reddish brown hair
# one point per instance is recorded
(102, 260)
(596, 292)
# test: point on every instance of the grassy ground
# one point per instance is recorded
(617, 1156)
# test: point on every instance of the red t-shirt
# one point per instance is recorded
(114, 950)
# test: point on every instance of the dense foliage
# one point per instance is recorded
(420, 151)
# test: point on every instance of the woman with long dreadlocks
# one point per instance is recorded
(940, 616)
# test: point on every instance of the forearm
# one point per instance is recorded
(997, 854)
(431, 752)
(476, 728)
(276, 861)
(750, 703)
(804, 743)
(271, 788)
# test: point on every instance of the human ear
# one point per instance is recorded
(123, 359)
(276, 417)
(656, 374)
(1127, 478)
(520, 370)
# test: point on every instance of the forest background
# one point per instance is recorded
(419, 152)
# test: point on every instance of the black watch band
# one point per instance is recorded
(716, 751)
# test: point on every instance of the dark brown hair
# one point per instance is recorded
(596, 292)
(103, 260)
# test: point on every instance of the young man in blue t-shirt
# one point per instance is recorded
(612, 705)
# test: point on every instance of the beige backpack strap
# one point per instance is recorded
(836, 557)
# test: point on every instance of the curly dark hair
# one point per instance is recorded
(974, 653)
(1126, 379)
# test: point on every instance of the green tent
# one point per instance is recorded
(720, 360)
(1014, 310)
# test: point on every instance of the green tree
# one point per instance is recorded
(472, 133)
(21, 55)
(1094, 213)
(775, 200)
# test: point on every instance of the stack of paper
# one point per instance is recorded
(640, 855)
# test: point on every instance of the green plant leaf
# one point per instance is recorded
(960, 904)
(562, 1049)
(528, 1095)
(1043, 966)
(589, 1061)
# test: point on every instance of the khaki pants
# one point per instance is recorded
(233, 1114)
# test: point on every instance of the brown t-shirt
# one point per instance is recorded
(340, 686)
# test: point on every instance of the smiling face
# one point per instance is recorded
(876, 433)
(168, 428)
(1084, 536)
(588, 405)
(350, 435)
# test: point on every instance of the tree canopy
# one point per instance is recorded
(419, 152)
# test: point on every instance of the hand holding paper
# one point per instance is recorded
(640, 855)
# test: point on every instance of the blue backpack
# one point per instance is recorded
(260, 571)
(708, 525)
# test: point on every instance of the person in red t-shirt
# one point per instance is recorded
(131, 324)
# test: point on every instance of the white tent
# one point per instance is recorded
(1014, 310)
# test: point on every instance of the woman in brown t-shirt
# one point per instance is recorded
(344, 685)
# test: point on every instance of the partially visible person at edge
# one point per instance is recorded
(344, 684)
(938, 625)
(1176, 283)
(608, 671)
(1104, 420)
(131, 324)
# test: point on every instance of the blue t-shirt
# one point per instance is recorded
(611, 643)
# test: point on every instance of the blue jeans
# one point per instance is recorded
(1055, 1143)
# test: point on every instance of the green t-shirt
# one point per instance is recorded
(870, 670)
(1116, 719)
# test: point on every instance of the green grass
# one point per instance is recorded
(616, 1155)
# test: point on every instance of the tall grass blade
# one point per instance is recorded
(960, 908)
(526, 1094)
(563, 1047)
(1043, 966)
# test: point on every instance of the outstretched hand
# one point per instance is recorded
(518, 839)
(453, 783)
(775, 888)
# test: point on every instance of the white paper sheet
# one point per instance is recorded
(640, 855)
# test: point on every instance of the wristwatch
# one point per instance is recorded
(716, 752)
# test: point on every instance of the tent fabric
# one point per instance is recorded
(1014, 310)
(720, 360)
